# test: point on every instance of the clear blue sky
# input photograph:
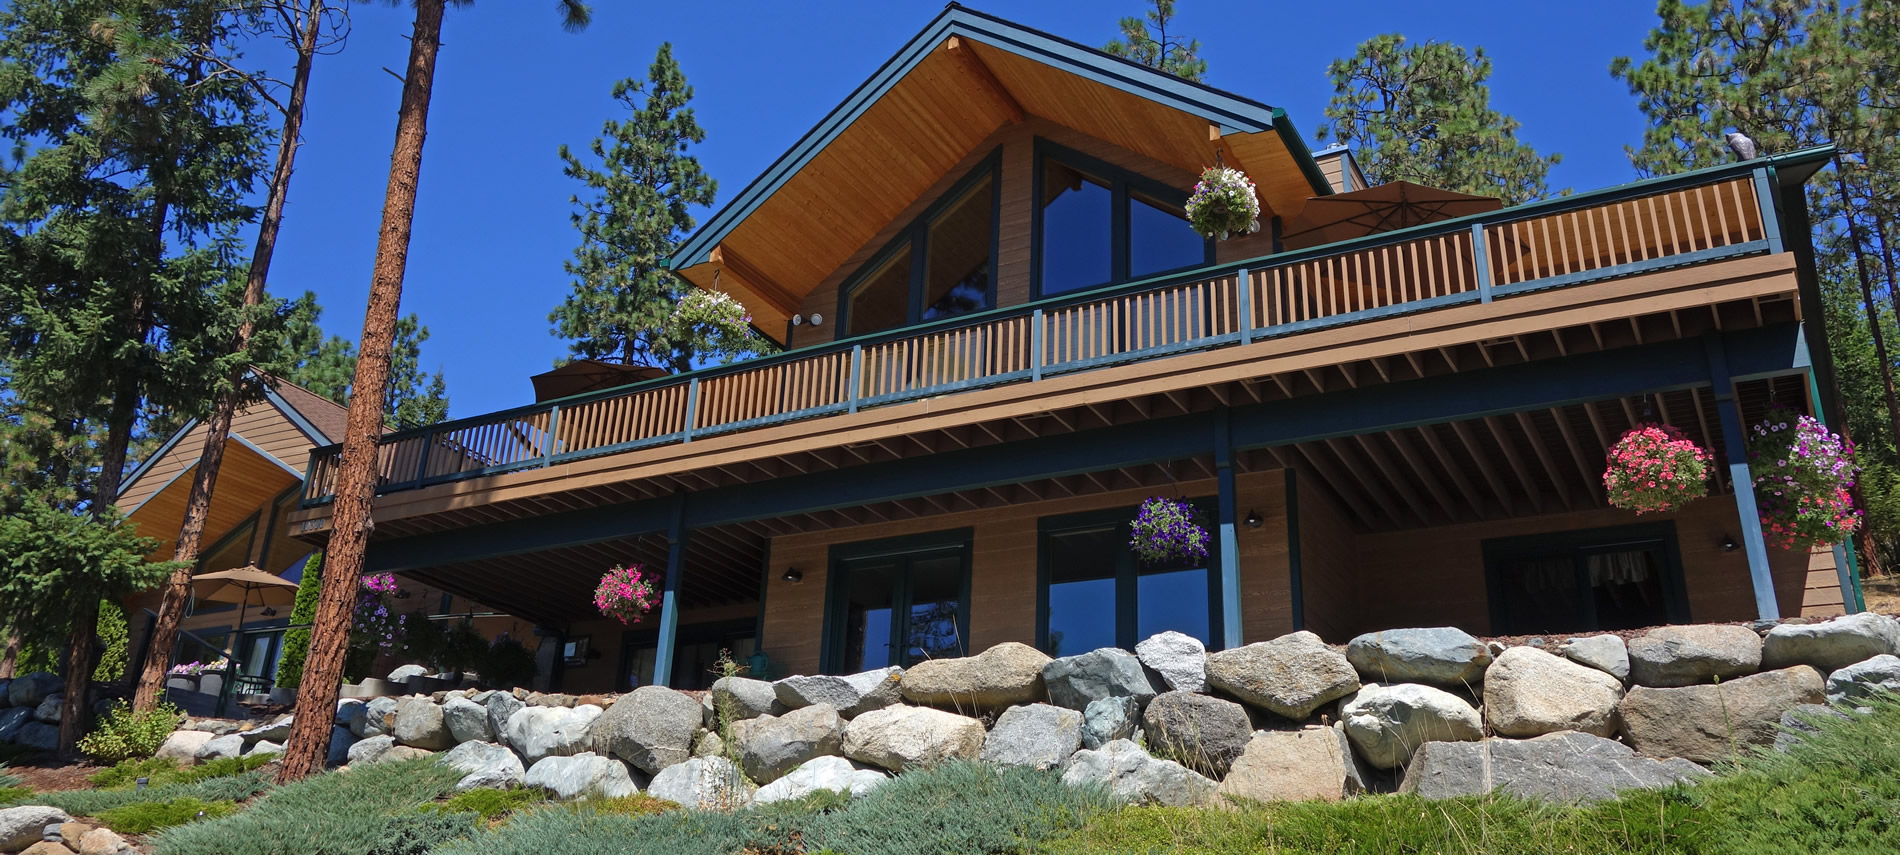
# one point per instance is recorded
(492, 225)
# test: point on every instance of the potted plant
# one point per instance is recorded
(1804, 477)
(1168, 531)
(624, 594)
(1223, 204)
(1653, 468)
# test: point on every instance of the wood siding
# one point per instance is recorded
(1003, 568)
(1821, 596)
(1328, 564)
(260, 424)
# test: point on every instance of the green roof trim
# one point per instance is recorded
(1233, 113)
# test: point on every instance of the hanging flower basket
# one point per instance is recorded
(1166, 532)
(624, 594)
(1223, 204)
(1803, 477)
(1654, 468)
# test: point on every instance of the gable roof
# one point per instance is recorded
(964, 75)
(322, 415)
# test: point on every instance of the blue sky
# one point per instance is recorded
(492, 226)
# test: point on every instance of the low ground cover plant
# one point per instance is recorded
(370, 809)
(147, 817)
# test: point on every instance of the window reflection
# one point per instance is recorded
(1159, 237)
(881, 301)
(957, 267)
(1174, 599)
(1082, 570)
(1076, 224)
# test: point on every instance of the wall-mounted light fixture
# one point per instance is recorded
(793, 575)
(1729, 544)
(270, 611)
(402, 593)
(1253, 519)
(814, 320)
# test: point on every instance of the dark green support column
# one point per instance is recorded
(1736, 441)
(676, 535)
(1228, 538)
(1846, 568)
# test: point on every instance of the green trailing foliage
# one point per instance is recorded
(147, 817)
(302, 612)
(954, 809)
(115, 642)
(492, 805)
(334, 813)
(12, 789)
(127, 735)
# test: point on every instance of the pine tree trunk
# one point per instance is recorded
(76, 714)
(171, 609)
(10, 660)
(1873, 307)
(356, 477)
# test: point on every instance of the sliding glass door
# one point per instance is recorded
(897, 603)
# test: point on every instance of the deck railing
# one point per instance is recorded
(1685, 219)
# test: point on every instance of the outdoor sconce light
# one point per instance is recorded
(402, 593)
(1729, 544)
(270, 611)
(1253, 519)
(793, 575)
(816, 319)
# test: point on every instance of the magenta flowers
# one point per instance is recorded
(624, 594)
(1166, 532)
(1654, 468)
(1804, 475)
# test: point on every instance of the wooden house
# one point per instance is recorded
(1001, 336)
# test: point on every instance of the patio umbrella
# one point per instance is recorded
(588, 375)
(241, 586)
(1387, 207)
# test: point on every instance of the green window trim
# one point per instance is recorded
(1123, 183)
(960, 540)
(1127, 573)
(913, 239)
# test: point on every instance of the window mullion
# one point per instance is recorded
(1118, 231)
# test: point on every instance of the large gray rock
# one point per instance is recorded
(1109, 719)
(403, 673)
(484, 764)
(1673, 656)
(1203, 733)
(1528, 692)
(741, 698)
(341, 739)
(1291, 676)
(1005, 675)
(870, 690)
(1110, 672)
(1388, 723)
(466, 720)
(370, 750)
(903, 738)
(29, 690)
(1831, 645)
(377, 718)
(346, 709)
(703, 783)
(221, 747)
(583, 774)
(1440, 656)
(49, 709)
(651, 727)
(1311, 763)
(38, 734)
(276, 731)
(1136, 777)
(835, 774)
(1039, 736)
(501, 706)
(537, 732)
(1567, 767)
(264, 748)
(1863, 680)
(1710, 723)
(15, 718)
(1179, 659)
(419, 724)
(770, 746)
(183, 745)
(21, 827)
(1606, 653)
(708, 744)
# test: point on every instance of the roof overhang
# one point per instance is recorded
(927, 108)
(249, 479)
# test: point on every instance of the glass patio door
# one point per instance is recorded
(898, 609)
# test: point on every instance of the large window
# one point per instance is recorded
(897, 602)
(941, 265)
(1601, 579)
(1096, 224)
(1095, 594)
(696, 652)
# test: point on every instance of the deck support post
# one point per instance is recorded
(1735, 441)
(1244, 302)
(1228, 537)
(1481, 261)
(676, 534)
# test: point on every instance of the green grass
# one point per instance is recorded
(490, 805)
(1836, 792)
(147, 817)
(372, 809)
(162, 771)
(231, 788)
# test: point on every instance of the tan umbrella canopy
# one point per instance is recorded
(243, 586)
(588, 375)
(1387, 207)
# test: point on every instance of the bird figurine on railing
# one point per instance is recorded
(1744, 148)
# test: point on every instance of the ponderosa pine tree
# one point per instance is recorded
(626, 305)
(1422, 113)
(134, 160)
(326, 365)
(1155, 48)
(350, 519)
